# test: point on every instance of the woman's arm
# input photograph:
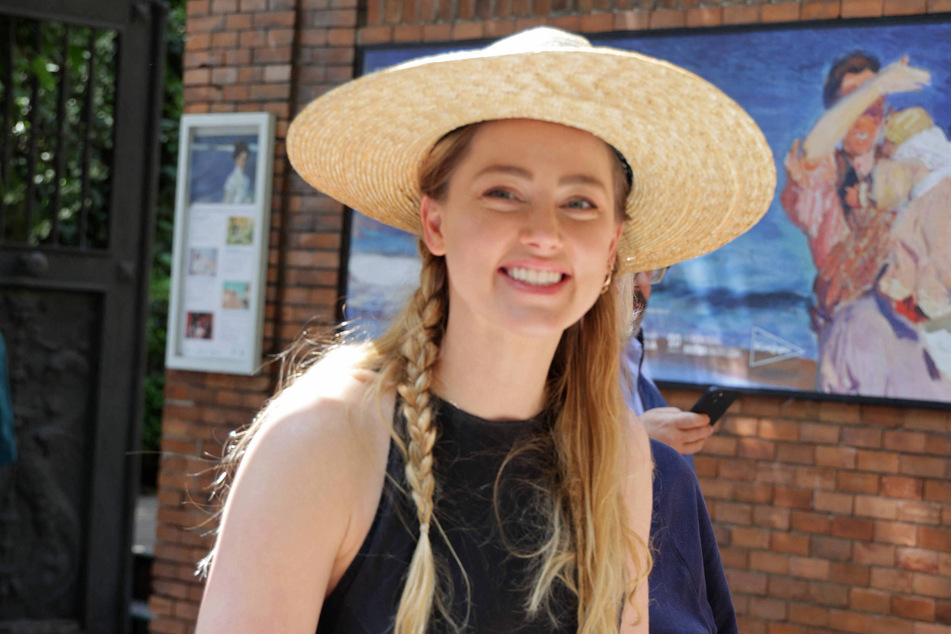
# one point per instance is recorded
(832, 126)
(288, 530)
(639, 496)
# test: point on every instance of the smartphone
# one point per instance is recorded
(714, 402)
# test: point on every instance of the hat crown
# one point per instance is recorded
(542, 38)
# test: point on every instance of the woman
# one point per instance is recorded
(475, 468)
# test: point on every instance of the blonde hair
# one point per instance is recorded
(587, 544)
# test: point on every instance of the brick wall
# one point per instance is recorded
(830, 517)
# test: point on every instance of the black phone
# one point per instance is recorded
(714, 402)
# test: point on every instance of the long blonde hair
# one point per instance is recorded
(588, 543)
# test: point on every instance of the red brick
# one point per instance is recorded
(811, 522)
(819, 433)
(756, 449)
(877, 461)
(938, 491)
(858, 482)
(750, 537)
(867, 437)
(788, 588)
(874, 554)
(896, 533)
(808, 614)
(790, 543)
(892, 580)
(905, 441)
(769, 562)
(862, 8)
(901, 487)
(733, 513)
(740, 426)
(786, 12)
(881, 508)
(775, 473)
(668, 19)
(829, 594)
(769, 609)
(796, 453)
(822, 478)
(869, 600)
(749, 492)
(840, 503)
(905, 7)
(924, 466)
(746, 582)
(774, 518)
(740, 15)
(831, 548)
(849, 622)
(809, 567)
(931, 585)
(842, 457)
(918, 560)
(779, 430)
(935, 539)
(819, 10)
(919, 512)
(631, 20)
(840, 412)
(597, 22)
(848, 574)
(706, 16)
(853, 528)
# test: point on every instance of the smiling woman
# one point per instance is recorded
(475, 468)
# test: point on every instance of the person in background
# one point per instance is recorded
(687, 432)
(238, 184)
(8, 449)
(687, 585)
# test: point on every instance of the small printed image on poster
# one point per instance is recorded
(203, 261)
(199, 325)
(222, 169)
(240, 230)
(236, 295)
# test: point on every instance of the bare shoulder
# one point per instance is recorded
(309, 480)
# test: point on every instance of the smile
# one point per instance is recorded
(534, 276)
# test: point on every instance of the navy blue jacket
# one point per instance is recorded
(688, 588)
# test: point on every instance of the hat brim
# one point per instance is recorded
(703, 172)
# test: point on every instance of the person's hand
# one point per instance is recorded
(900, 77)
(687, 432)
(798, 168)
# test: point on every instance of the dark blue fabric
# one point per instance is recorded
(688, 588)
(8, 449)
(468, 454)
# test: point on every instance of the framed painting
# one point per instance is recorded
(222, 220)
(843, 289)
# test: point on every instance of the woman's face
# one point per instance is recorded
(528, 227)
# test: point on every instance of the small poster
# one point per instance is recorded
(220, 257)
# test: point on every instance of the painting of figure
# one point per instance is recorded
(843, 286)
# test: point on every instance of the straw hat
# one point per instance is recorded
(703, 173)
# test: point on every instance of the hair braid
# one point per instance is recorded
(420, 350)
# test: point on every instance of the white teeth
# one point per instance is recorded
(534, 276)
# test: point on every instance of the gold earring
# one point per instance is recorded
(607, 281)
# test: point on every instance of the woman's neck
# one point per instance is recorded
(492, 373)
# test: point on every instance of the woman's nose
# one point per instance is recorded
(542, 228)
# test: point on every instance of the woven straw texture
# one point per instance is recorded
(703, 173)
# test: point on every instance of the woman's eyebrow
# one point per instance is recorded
(573, 179)
(505, 169)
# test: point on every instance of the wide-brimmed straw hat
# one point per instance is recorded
(703, 173)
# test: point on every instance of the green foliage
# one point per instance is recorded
(159, 284)
(60, 123)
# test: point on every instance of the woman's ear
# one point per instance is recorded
(616, 241)
(430, 216)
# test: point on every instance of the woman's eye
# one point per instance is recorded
(581, 204)
(503, 194)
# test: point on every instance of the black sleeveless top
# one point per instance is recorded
(468, 455)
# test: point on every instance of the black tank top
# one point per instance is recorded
(468, 455)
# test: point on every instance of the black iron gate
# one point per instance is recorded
(80, 99)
